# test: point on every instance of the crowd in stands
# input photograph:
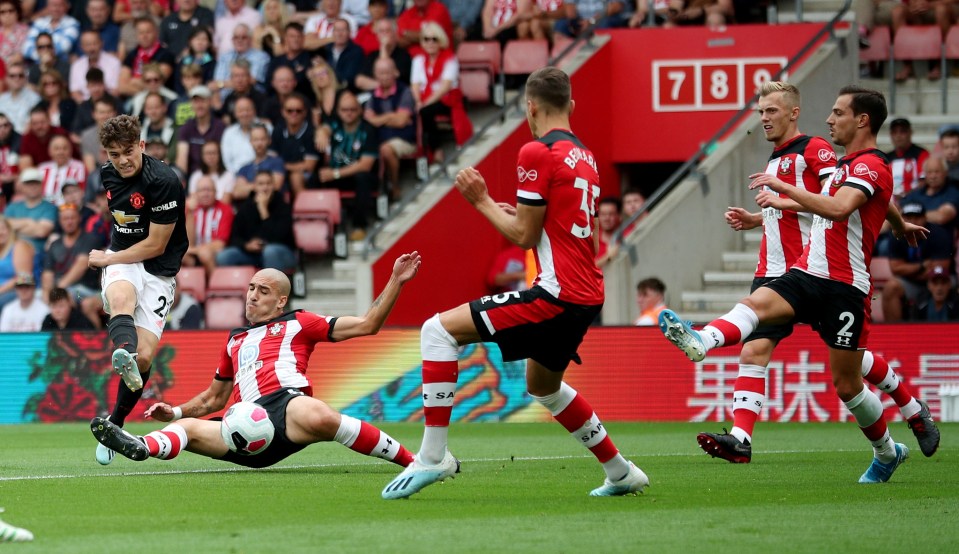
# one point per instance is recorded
(919, 283)
(251, 102)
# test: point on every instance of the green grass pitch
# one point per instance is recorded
(523, 488)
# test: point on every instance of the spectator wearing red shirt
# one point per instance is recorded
(411, 21)
(436, 92)
(366, 35)
(508, 272)
(905, 159)
(208, 225)
(35, 145)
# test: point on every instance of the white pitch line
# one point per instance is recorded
(237, 469)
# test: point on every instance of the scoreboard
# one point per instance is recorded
(723, 84)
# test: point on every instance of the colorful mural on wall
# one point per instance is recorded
(628, 374)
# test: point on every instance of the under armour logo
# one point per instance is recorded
(386, 450)
(523, 175)
(842, 341)
(863, 169)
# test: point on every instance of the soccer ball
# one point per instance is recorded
(246, 428)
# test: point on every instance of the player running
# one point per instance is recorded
(266, 363)
(148, 243)
(555, 213)
(806, 162)
(829, 284)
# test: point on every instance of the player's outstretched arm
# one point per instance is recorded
(348, 327)
(835, 208)
(213, 399)
(903, 230)
(742, 220)
(150, 247)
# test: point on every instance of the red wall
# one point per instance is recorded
(615, 117)
(738, 54)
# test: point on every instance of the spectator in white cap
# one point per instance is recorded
(196, 132)
(26, 314)
(32, 218)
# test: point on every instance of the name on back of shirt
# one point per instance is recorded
(577, 154)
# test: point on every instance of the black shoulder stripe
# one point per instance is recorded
(329, 334)
(556, 135)
(531, 201)
(796, 146)
(857, 186)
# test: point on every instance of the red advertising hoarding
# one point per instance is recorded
(628, 374)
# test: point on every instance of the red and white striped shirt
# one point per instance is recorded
(842, 250)
(269, 356)
(803, 162)
(906, 166)
(213, 223)
(558, 172)
(55, 175)
(502, 11)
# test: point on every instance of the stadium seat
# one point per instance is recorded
(522, 57)
(916, 42)
(950, 51)
(876, 313)
(560, 43)
(480, 54)
(480, 63)
(881, 272)
(315, 215)
(952, 43)
(879, 43)
(229, 281)
(475, 85)
(225, 313)
(193, 281)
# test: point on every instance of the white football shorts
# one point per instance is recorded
(154, 294)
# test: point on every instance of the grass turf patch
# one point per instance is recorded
(523, 489)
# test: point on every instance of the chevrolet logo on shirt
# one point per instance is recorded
(123, 219)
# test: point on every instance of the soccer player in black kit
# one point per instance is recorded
(148, 243)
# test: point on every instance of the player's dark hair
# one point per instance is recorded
(58, 294)
(614, 201)
(95, 75)
(869, 102)
(651, 283)
(949, 133)
(120, 131)
(551, 88)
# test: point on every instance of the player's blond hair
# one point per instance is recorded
(790, 94)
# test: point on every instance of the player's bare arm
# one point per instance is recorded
(903, 230)
(213, 399)
(522, 228)
(348, 327)
(835, 208)
(150, 247)
(742, 220)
